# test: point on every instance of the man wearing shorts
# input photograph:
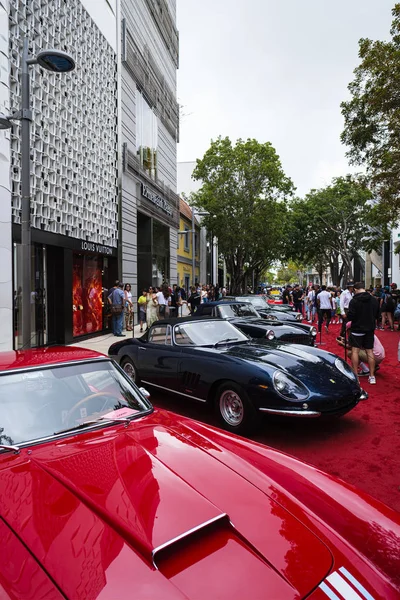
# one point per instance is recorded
(363, 312)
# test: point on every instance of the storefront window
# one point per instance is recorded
(146, 136)
(87, 294)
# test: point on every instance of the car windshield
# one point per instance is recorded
(34, 404)
(257, 302)
(207, 333)
(238, 310)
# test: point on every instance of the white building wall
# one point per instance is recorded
(6, 295)
(140, 30)
(104, 14)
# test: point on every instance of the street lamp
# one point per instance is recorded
(55, 61)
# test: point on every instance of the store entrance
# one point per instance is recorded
(38, 296)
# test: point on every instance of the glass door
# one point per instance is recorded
(38, 296)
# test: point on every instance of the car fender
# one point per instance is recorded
(127, 348)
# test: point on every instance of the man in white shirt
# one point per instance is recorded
(325, 305)
(345, 298)
(164, 300)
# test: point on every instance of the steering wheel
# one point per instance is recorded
(87, 399)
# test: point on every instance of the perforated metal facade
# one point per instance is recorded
(74, 129)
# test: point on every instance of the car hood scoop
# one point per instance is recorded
(181, 513)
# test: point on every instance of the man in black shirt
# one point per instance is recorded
(363, 312)
(194, 299)
(287, 295)
(298, 296)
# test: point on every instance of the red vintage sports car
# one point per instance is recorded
(104, 497)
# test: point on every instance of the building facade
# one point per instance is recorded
(150, 131)
(103, 161)
(212, 266)
(187, 244)
(74, 167)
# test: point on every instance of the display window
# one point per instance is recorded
(87, 294)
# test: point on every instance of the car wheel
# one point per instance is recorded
(234, 409)
(130, 370)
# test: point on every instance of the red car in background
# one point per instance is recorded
(104, 497)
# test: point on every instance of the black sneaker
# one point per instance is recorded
(119, 335)
(363, 373)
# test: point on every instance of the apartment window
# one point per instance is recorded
(146, 135)
(186, 239)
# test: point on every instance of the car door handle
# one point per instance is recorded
(141, 348)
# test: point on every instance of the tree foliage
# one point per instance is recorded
(290, 273)
(243, 191)
(372, 119)
(329, 224)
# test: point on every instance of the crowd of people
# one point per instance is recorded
(319, 303)
(156, 303)
(360, 312)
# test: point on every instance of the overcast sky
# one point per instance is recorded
(275, 70)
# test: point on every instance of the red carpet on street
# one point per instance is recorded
(363, 447)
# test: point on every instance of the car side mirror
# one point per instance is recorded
(144, 392)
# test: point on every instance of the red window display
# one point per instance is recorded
(87, 290)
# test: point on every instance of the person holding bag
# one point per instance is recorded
(117, 301)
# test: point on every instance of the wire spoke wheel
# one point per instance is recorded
(130, 370)
(231, 408)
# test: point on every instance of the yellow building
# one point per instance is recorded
(185, 247)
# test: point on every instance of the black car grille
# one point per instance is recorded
(296, 339)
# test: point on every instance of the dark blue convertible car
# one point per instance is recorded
(210, 360)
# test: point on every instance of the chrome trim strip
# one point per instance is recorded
(174, 391)
(292, 413)
(55, 365)
(15, 449)
(100, 423)
(186, 534)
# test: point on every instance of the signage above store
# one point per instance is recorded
(97, 248)
(156, 199)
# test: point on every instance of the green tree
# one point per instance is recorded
(290, 273)
(329, 224)
(244, 191)
(372, 120)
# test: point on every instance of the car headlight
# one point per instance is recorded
(270, 335)
(298, 317)
(289, 387)
(313, 331)
(344, 368)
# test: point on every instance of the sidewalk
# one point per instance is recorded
(103, 342)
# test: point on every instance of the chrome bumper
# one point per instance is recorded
(310, 414)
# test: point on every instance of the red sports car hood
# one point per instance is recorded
(143, 513)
